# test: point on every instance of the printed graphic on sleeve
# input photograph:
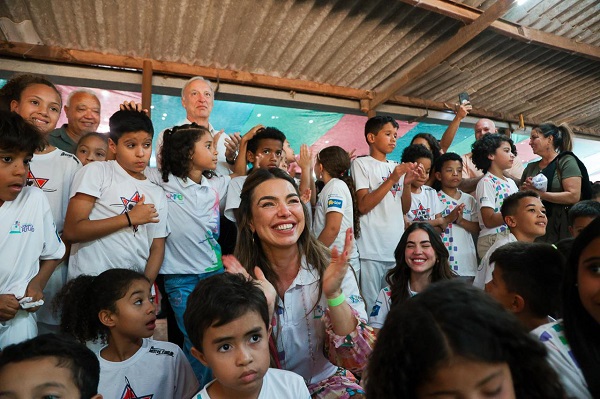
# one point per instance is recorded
(335, 202)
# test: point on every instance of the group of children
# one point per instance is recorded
(124, 223)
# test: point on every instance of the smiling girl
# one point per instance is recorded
(38, 101)
(421, 259)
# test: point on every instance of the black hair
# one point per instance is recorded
(434, 144)
(220, 299)
(585, 208)
(399, 277)
(16, 135)
(596, 190)
(263, 134)
(249, 249)
(534, 271)
(336, 161)
(70, 354)
(13, 89)
(486, 146)
(101, 136)
(451, 319)
(581, 329)
(415, 151)
(510, 206)
(81, 300)
(562, 135)
(177, 149)
(376, 123)
(447, 157)
(128, 121)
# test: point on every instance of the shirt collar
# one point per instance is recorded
(189, 182)
(210, 127)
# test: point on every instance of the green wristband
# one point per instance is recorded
(337, 301)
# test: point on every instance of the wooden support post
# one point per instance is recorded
(147, 86)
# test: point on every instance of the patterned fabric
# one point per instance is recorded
(352, 351)
(341, 385)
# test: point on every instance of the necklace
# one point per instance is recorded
(310, 344)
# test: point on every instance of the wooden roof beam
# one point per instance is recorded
(468, 14)
(465, 34)
(84, 57)
(482, 113)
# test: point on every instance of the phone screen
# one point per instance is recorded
(463, 98)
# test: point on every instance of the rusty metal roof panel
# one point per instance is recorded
(349, 43)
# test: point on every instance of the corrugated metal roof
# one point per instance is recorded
(353, 43)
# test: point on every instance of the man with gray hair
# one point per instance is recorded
(197, 97)
(83, 116)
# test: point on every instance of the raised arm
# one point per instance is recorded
(450, 133)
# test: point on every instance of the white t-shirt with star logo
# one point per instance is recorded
(424, 205)
(115, 190)
(381, 227)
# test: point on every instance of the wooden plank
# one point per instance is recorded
(482, 113)
(463, 36)
(147, 86)
(84, 57)
(468, 14)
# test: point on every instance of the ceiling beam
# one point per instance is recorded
(482, 113)
(465, 34)
(83, 57)
(468, 14)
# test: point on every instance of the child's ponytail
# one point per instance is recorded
(336, 161)
(82, 299)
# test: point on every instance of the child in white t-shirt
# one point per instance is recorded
(227, 320)
(493, 154)
(336, 209)
(118, 307)
(116, 216)
(187, 161)
(30, 246)
(382, 200)
(38, 101)
(425, 206)
(458, 235)
(263, 148)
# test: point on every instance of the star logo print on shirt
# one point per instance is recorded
(38, 182)
(421, 213)
(129, 203)
(128, 392)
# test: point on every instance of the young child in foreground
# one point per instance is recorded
(29, 244)
(227, 320)
(118, 307)
(49, 366)
(453, 341)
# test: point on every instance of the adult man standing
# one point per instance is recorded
(83, 116)
(197, 97)
(471, 175)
